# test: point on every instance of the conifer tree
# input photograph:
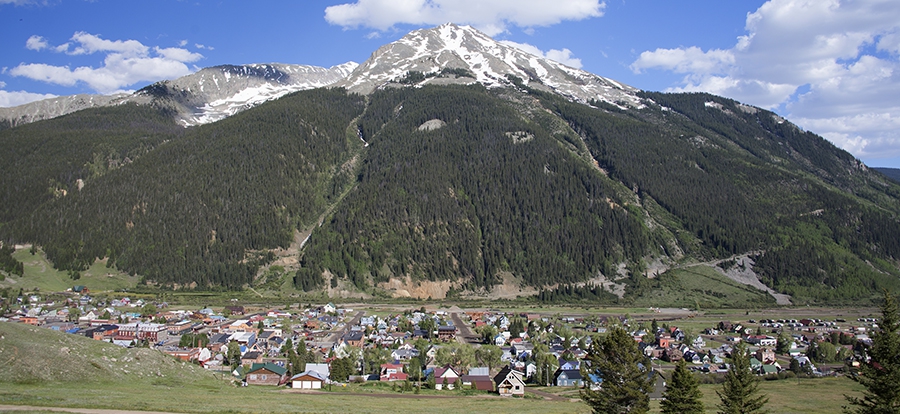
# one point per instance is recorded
(739, 392)
(881, 374)
(682, 395)
(623, 373)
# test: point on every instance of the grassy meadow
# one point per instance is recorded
(46, 368)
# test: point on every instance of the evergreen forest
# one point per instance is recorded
(453, 183)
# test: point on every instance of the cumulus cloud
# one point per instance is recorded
(36, 43)
(17, 98)
(490, 16)
(22, 2)
(126, 62)
(563, 56)
(833, 66)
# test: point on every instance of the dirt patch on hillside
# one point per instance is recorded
(743, 273)
(420, 289)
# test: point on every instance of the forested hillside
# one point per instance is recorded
(740, 179)
(456, 183)
(192, 209)
(490, 191)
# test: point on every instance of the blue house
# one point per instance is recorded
(568, 378)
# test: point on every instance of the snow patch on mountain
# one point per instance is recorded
(215, 93)
(463, 47)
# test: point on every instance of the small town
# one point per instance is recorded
(317, 348)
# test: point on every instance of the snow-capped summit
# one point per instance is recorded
(218, 92)
(205, 96)
(450, 46)
(447, 54)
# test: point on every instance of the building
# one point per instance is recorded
(308, 380)
(265, 374)
(510, 382)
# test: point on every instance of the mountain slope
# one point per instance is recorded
(468, 165)
(892, 173)
(208, 95)
(194, 209)
(482, 60)
(214, 93)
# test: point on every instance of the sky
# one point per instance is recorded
(830, 66)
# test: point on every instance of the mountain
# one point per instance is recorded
(54, 107)
(452, 54)
(205, 96)
(212, 94)
(892, 173)
(467, 168)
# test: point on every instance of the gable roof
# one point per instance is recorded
(508, 374)
(309, 375)
(443, 371)
(278, 370)
(572, 374)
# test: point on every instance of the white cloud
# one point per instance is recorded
(563, 56)
(20, 97)
(489, 16)
(845, 52)
(22, 2)
(126, 63)
(178, 54)
(92, 44)
(689, 60)
(36, 43)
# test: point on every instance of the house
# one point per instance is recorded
(265, 374)
(765, 355)
(510, 382)
(567, 365)
(447, 333)
(235, 310)
(673, 355)
(480, 381)
(320, 368)
(664, 341)
(392, 372)
(445, 375)
(308, 380)
(250, 358)
(659, 384)
(241, 325)
(354, 338)
(568, 378)
(762, 340)
(404, 354)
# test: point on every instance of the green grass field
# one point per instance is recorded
(702, 287)
(46, 368)
(40, 275)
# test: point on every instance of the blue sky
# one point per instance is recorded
(830, 66)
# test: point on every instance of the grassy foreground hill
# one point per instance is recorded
(45, 368)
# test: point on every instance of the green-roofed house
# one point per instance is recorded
(768, 369)
(266, 374)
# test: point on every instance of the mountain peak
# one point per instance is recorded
(467, 51)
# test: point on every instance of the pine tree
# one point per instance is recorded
(739, 392)
(682, 394)
(881, 375)
(621, 367)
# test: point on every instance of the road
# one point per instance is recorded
(355, 321)
(463, 333)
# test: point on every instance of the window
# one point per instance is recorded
(264, 377)
(253, 377)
